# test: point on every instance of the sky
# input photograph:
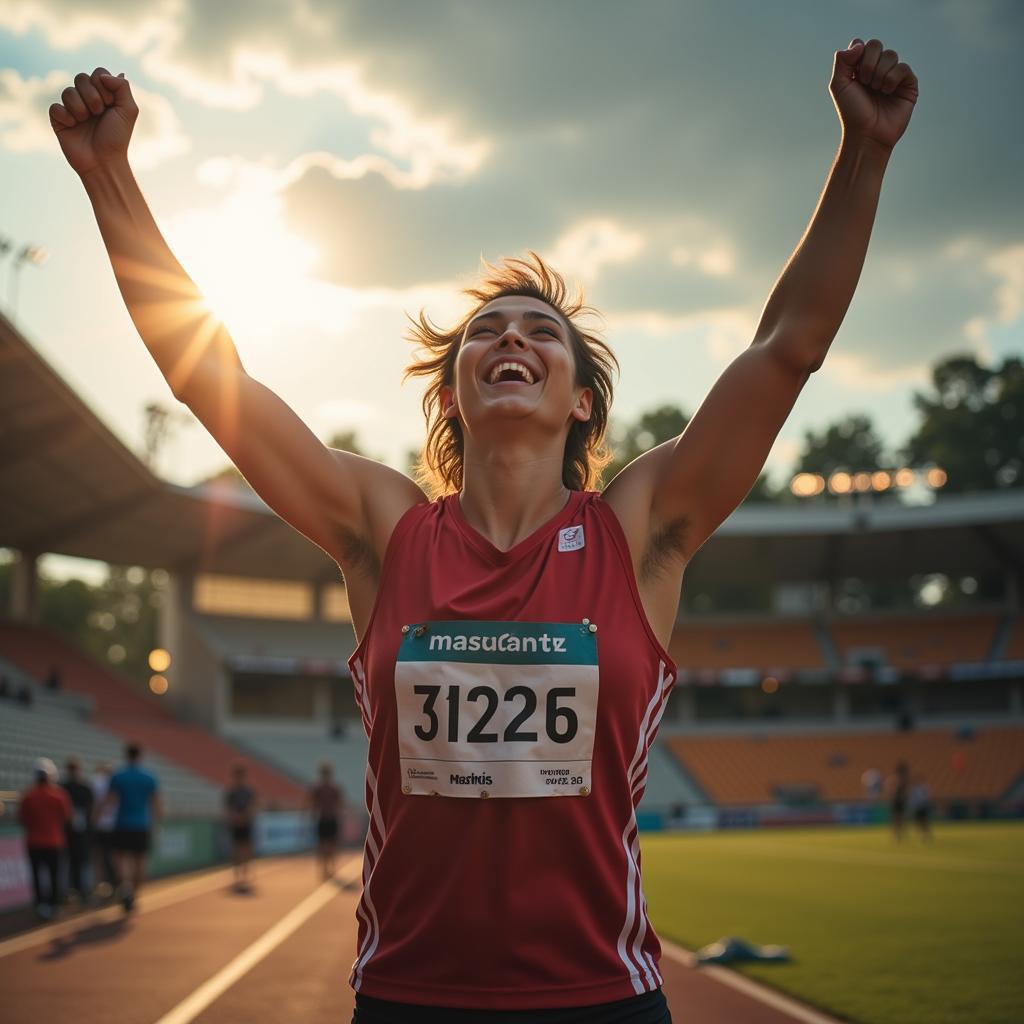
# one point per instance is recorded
(325, 169)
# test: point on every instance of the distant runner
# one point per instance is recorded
(79, 831)
(44, 811)
(105, 869)
(327, 803)
(138, 807)
(240, 807)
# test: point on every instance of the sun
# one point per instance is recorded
(254, 273)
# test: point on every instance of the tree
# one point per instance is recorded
(651, 429)
(346, 440)
(972, 424)
(850, 444)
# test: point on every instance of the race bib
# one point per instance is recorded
(497, 709)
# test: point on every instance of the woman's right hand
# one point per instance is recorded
(94, 121)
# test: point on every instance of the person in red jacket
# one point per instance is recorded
(44, 812)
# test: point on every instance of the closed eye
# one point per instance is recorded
(481, 330)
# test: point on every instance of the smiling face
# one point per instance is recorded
(516, 361)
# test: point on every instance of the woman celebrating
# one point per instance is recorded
(512, 663)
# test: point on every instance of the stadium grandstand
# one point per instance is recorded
(779, 713)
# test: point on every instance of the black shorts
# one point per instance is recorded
(326, 828)
(241, 833)
(130, 840)
(649, 1008)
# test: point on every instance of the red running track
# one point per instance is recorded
(194, 950)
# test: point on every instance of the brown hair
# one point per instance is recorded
(439, 468)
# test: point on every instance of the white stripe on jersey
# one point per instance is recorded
(635, 906)
(371, 857)
(362, 697)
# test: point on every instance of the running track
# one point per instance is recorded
(196, 951)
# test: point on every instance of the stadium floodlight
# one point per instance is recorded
(849, 483)
(158, 685)
(159, 659)
(34, 254)
(840, 482)
(805, 485)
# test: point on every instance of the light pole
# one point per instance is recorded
(34, 254)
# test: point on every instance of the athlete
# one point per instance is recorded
(899, 789)
(512, 663)
(136, 794)
(327, 805)
(240, 805)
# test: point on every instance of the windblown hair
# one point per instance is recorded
(440, 466)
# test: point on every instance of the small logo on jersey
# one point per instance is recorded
(570, 539)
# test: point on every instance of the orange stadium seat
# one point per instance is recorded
(702, 646)
(910, 643)
(749, 769)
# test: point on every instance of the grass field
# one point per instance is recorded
(879, 933)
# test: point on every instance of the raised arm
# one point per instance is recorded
(682, 490)
(342, 502)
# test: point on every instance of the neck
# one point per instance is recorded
(506, 497)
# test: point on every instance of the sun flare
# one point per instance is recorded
(255, 274)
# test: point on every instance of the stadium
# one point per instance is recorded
(787, 716)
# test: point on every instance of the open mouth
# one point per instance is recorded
(511, 372)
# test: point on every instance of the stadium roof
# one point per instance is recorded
(69, 486)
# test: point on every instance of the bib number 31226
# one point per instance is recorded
(497, 709)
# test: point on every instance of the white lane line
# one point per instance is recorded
(164, 896)
(191, 1006)
(763, 994)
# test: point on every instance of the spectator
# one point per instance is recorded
(25, 695)
(44, 812)
(53, 679)
(79, 830)
(103, 820)
(138, 808)
(5, 687)
(240, 806)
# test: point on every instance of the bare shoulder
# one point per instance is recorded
(657, 549)
(631, 496)
(385, 496)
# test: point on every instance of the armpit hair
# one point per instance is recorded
(665, 548)
(358, 555)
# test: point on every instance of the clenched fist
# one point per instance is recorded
(874, 92)
(94, 121)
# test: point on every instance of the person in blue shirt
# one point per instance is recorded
(136, 793)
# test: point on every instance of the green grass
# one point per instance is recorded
(879, 933)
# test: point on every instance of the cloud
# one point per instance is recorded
(68, 24)
(670, 162)
(25, 123)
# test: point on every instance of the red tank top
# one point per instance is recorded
(510, 699)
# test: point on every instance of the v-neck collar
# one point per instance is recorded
(494, 554)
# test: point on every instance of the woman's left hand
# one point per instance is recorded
(874, 92)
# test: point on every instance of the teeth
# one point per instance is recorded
(496, 371)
